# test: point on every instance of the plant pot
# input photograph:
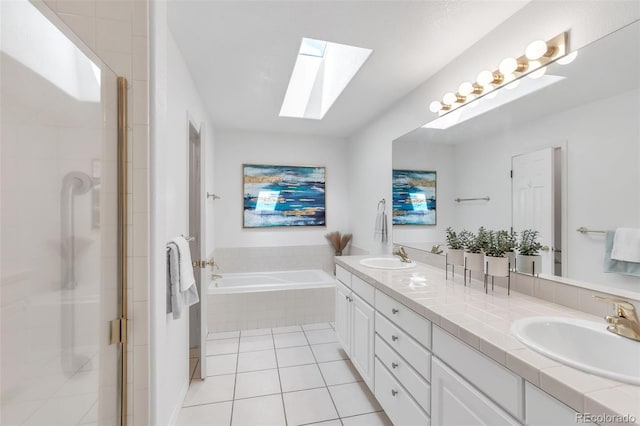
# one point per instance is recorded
(455, 257)
(526, 264)
(474, 261)
(497, 266)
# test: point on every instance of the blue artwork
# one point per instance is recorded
(283, 196)
(414, 197)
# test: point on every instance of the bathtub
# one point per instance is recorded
(243, 301)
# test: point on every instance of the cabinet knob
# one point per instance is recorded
(394, 392)
(351, 299)
(346, 298)
(394, 338)
(394, 365)
(394, 311)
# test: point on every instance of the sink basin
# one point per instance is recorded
(585, 345)
(386, 263)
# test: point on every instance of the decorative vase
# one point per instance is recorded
(474, 261)
(497, 266)
(531, 265)
(455, 257)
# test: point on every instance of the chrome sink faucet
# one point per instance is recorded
(404, 257)
(625, 323)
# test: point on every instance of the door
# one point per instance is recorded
(533, 199)
(362, 338)
(197, 312)
(343, 316)
(456, 403)
(60, 283)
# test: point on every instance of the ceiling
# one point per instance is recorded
(241, 53)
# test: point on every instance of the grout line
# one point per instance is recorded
(235, 382)
(323, 379)
(284, 409)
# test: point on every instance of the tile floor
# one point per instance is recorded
(296, 375)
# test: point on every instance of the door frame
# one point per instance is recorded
(200, 127)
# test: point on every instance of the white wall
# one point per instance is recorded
(176, 98)
(370, 148)
(416, 155)
(233, 148)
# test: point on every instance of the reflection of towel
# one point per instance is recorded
(618, 266)
(176, 274)
(626, 245)
(380, 232)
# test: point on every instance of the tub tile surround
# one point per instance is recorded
(301, 383)
(483, 321)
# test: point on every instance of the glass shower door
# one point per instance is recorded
(59, 287)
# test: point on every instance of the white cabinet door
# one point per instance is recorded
(544, 410)
(362, 338)
(343, 316)
(457, 403)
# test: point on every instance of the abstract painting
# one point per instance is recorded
(414, 197)
(283, 196)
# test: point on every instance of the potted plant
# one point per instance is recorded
(473, 250)
(495, 258)
(528, 260)
(455, 248)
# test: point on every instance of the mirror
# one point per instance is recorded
(584, 119)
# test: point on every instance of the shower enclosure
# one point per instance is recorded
(63, 221)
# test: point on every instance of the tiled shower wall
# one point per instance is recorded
(117, 31)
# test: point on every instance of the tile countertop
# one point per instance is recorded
(483, 321)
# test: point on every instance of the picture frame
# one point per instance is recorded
(414, 197)
(283, 196)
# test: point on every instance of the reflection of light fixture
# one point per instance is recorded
(569, 58)
(533, 63)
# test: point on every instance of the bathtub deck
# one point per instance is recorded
(290, 375)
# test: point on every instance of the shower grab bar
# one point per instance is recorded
(73, 184)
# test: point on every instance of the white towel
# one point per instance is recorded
(186, 268)
(626, 245)
(178, 271)
(380, 231)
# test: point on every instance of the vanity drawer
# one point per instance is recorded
(494, 380)
(402, 371)
(409, 349)
(396, 401)
(363, 289)
(343, 276)
(418, 327)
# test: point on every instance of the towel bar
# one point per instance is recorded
(584, 230)
(458, 200)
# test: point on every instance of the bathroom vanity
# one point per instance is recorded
(436, 352)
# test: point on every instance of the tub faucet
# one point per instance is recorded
(625, 323)
(404, 257)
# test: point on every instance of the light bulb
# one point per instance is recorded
(435, 106)
(449, 98)
(538, 73)
(465, 88)
(508, 66)
(485, 78)
(536, 49)
(568, 59)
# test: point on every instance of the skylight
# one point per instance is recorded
(321, 72)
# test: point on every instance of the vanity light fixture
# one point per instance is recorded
(533, 63)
